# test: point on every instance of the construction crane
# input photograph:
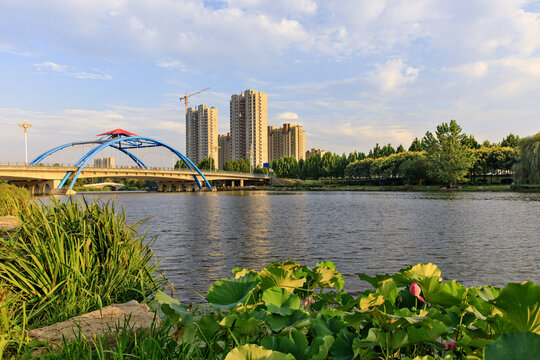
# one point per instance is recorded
(185, 98)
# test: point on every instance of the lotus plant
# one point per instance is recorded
(415, 291)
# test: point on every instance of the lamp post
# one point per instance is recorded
(25, 125)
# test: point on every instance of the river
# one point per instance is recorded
(477, 238)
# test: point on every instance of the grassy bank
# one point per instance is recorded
(67, 258)
(332, 185)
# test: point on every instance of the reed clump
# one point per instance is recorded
(68, 258)
(12, 199)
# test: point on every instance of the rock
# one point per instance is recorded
(9, 223)
(97, 323)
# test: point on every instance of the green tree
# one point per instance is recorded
(528, 168)
(510, 141)
(206, 164)
(449, 159)
(400, 149)
(416, 145)
(180, 164)
(470, 142)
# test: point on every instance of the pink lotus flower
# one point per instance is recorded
(415, 290)
(449, 345)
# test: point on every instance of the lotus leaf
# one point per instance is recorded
(297, 319)
(343, 346)
(244, 323)
(320, 347)
(255, 352)
(280, 301)
(416, 273)
(523, 346)
(371, 300)
(229, 293)
(280, 276)
(480, 301)
(388, 289)
(376, 280)
(444, 294)
(326, 276)
(296, 344)
(326, 325)
(389, 322)
(279, 343)
(521, 305)
(429, 331)
(357, 318)
(207, 328)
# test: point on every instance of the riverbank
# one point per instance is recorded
(307, 185)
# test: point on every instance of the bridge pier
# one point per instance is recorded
(38, 187)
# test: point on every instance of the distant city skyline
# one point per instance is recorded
(352, 73)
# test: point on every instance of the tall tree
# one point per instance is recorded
(416, 145)
(528, 168)
(511, 141)
(180, 164)
(206, 164)
(449, 159)
(470, 142)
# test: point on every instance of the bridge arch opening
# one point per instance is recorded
(36, 191)
(122, 141)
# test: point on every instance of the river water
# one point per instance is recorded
(480, 238)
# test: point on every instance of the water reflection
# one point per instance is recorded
(476, 238)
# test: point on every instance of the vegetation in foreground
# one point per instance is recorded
(68, 258)
(289, 311)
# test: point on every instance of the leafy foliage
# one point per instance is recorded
(450, 160)
(528, 167)
(286, 314)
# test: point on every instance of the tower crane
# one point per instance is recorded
(185, 98)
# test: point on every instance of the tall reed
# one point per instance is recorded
(12, 199)
(72, 257)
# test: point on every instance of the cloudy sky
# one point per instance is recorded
(352, 72)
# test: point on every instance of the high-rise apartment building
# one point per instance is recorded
(289, 140)
(238, 126)
(202, 133)
(105, 162)
(249, 121)
(315, 151)
(192, 134)
(225, 149)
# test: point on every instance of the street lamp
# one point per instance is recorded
(25, 125)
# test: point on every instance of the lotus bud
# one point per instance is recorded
(415, 290)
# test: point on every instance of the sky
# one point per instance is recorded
(352, 72)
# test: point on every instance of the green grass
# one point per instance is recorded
(69, 258)
(12, 199)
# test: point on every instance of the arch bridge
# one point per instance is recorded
(42, 180)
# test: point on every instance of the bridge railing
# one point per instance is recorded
(58, 165)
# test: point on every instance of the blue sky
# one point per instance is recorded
(352, 72)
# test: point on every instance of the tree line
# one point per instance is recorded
(446, 156)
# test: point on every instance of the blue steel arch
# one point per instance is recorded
(133, 142)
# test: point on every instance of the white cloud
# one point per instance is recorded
(289, 115)
(529, 66)
(49, 65)
(477, 69)
(64, 70)
(393, 74)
